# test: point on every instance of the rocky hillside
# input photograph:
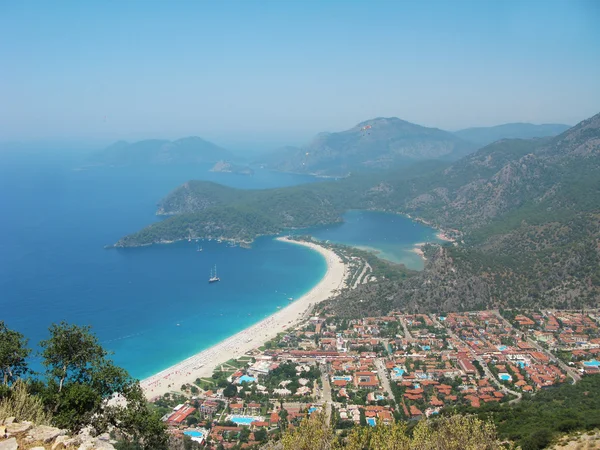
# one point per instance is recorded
(376, 144)
(25, 435)
(190, 150)
(529, 216)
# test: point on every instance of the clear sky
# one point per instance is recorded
(277, 71)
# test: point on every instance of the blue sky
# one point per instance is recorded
(280, 71)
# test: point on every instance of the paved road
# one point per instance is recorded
(488, 374)
(383, 377)
(572, 372)
(407, 334)
(359, 278)
(326, 390)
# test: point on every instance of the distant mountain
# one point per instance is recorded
(376, 144)
(525, 211)
(190, 150)
(487, 135)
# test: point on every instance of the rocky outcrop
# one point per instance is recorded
(25, 435)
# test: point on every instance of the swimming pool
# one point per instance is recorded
(193, 433)
(339, 378)
(521, 364)
(371, 421)
(246, 379)
(425, 347)
(312, 409)
(244, 420)
(592, 363)
(502, 347)
(505, 377)
(398, 372)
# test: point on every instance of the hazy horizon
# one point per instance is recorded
(265, 74)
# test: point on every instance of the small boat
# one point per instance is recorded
(213, 276)
(199, 249)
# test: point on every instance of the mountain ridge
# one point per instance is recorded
(188, 150)
(527, 214)
(515, 130)
(375, 144)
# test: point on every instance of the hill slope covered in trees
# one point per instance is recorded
(526, 213)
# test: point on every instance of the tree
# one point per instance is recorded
(230, 391)
(446, 433)
(13, 353)
(260, 435)
(84, 388)
(70, 351)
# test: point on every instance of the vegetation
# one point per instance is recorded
(447, 433)
(376, 144)
(81, 388)
(188, 150)
(528, 212)
(536, 420)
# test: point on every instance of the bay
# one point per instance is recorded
(151, 306)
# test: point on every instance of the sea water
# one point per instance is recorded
(390, 236)
(151, 306)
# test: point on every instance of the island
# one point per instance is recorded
(228, 167)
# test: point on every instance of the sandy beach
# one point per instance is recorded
(202, 364)
(418, 250)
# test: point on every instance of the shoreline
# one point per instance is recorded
(202, 364)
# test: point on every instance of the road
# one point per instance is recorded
(572, 372)
(407, 334)
(486, 370)
(383, 377)
(326, 390)
(361, 275)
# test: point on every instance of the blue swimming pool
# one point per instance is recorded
(339, 378)
(193, 433)
(398, 371)
(521, 364)
(505, 377)
(371, 421)
(502, 347)
(246, 379)
(592, 363)
(244, 420)
(425, 347)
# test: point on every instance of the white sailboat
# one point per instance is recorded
(213, 276)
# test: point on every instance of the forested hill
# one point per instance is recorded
(190, 150)
(487, 135)
(376, 144)
(527, 211)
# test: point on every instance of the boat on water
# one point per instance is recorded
(213, 276)
(198, 248)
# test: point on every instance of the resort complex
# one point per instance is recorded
(380, 370)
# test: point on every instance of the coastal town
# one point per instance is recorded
(400, 367)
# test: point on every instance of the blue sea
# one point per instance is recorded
(151, 306)
(390, 236)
